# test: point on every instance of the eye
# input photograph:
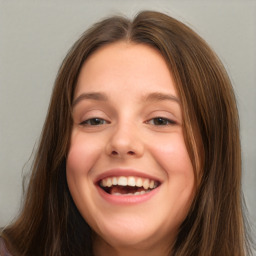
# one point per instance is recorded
(94, 122)
(160, 121)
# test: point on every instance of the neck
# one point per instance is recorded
(102, 248)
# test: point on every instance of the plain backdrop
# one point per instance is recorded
(35, 36)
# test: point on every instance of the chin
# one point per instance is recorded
(139, 233)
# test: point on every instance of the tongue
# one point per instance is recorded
(125, 189)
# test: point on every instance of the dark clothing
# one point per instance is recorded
(3, 249)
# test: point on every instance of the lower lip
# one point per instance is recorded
(127, 199)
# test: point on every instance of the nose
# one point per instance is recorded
(125, 141)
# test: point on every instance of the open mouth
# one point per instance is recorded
(127, 185)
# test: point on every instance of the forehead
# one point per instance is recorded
(125, 67)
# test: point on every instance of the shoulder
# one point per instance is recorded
(3, 249)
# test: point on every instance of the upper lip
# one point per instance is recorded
(124, 172)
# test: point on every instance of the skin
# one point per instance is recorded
(129, 135)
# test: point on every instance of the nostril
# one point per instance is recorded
(114, 153)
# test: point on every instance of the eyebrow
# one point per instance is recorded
(158, 96)
(90, 96)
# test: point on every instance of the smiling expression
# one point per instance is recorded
(128, 169)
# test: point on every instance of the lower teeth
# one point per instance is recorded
(131, 194)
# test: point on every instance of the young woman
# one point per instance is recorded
(140, 151)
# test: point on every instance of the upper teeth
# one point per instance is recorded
(128, 181)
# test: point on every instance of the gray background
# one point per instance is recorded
(36, 35)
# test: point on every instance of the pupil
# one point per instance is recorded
(96, 121)
(160, 121)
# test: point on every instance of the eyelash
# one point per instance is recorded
(100, 121)
(164, 121)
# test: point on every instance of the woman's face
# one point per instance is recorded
(128, 169)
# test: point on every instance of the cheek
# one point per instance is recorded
(78, 160)
(83, 152)
(171, 153)
(82, 155)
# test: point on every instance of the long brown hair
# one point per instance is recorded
(50, 223)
